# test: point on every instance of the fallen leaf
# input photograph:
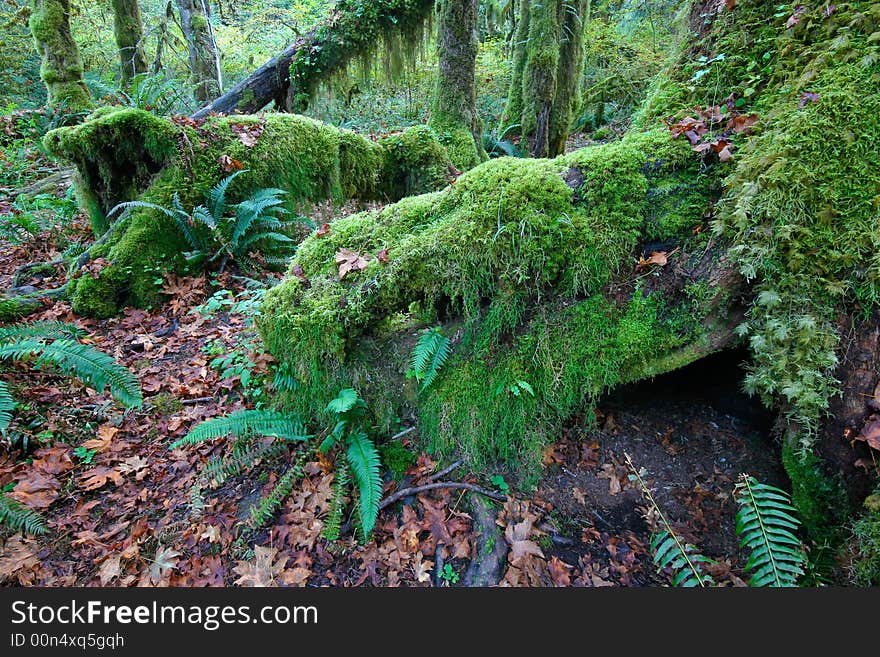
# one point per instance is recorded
(18, 554)
(263, 571)
(297, 271)
(230, 164)
(37, 490)
(324, 229)
(110, 569)
(349, 261)
(808, 97)
(106, 432)
(212, 533)
(871, 434)
(382, 256)
(165, 560)
(98, 477)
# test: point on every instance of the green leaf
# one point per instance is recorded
(364, 461)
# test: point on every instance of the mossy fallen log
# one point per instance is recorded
(529, 267)
(126, 154)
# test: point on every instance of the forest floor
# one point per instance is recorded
(120, 513)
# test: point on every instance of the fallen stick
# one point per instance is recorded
(406, 492)
(445, 471)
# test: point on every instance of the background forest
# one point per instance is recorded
(540, 293)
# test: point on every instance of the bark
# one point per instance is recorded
(354, 29)
(455, 95)
(547, 63)
(129, 32)
(61, 69)
(204, 58)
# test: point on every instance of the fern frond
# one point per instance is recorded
(240, 423)
(341, 481)
(218, 469)
(364, 460)
(86, 363)
(262, 513)
(18, 517)
(48, 330)
(766, 523)
(669, 551)
(7, 405)
(429, 356)
(217, 195)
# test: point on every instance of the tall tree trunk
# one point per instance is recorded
(204, 58)
(62, 68)
(129, 32)
(547, 62)
(453, 112)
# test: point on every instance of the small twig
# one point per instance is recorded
(406, 492)
(196, 400)
(445, 471)
(402, 433)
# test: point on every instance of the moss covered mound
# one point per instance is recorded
(127, 154)
(528, 264)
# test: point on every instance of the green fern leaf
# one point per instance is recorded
(364, 460)
(262, 513)
(49, 330)
(18, 517)
(217, 196)
(7, 405)
(241, 423)
(218, 469)
(333, 523)
(347, 400)
(91, 366)
(429, 356)
(766, 524)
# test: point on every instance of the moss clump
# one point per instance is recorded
(821, 501)
(15, 308)
(865, 550)
(397, 458)
(515, 260)
(128, 154)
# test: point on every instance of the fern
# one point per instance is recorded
(333, 523)
(766, 523)
(669, 551)
(218, 469)
(18, 517)
(429, 356)
(364, 461)
(91, 366)
(49, 330)
(269, 504)
(7, 405)
(242, 423)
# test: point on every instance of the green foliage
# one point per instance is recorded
(397, 458)
(363, 460)
(38, 214)
(7, 405)
(214, 231)
(245, 454)
(766, 522)
(19, 518)
(341, 481)
(244, 423)
(429, 356)
(269, 504)
(52, 344)
(864, 545)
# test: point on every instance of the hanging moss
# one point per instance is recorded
(61, 69)
(515, 261)
(355, 31)
(129, 33)
(128, 154)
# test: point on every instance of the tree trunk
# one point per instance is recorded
(454, 108)
(129, 32)
(354, 29)
(61, 68)
(204, 58)
(547, 62)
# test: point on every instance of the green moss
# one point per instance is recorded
(820, 500)
(865, 550)
(12, 309)
(513, 259)
(61, 69)
(129, 154)
(397, 458)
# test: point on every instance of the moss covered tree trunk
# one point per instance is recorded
(204, 58)
(454, 109)
(547, 62)
(129, 32)
(355, 29)
(61, 69)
